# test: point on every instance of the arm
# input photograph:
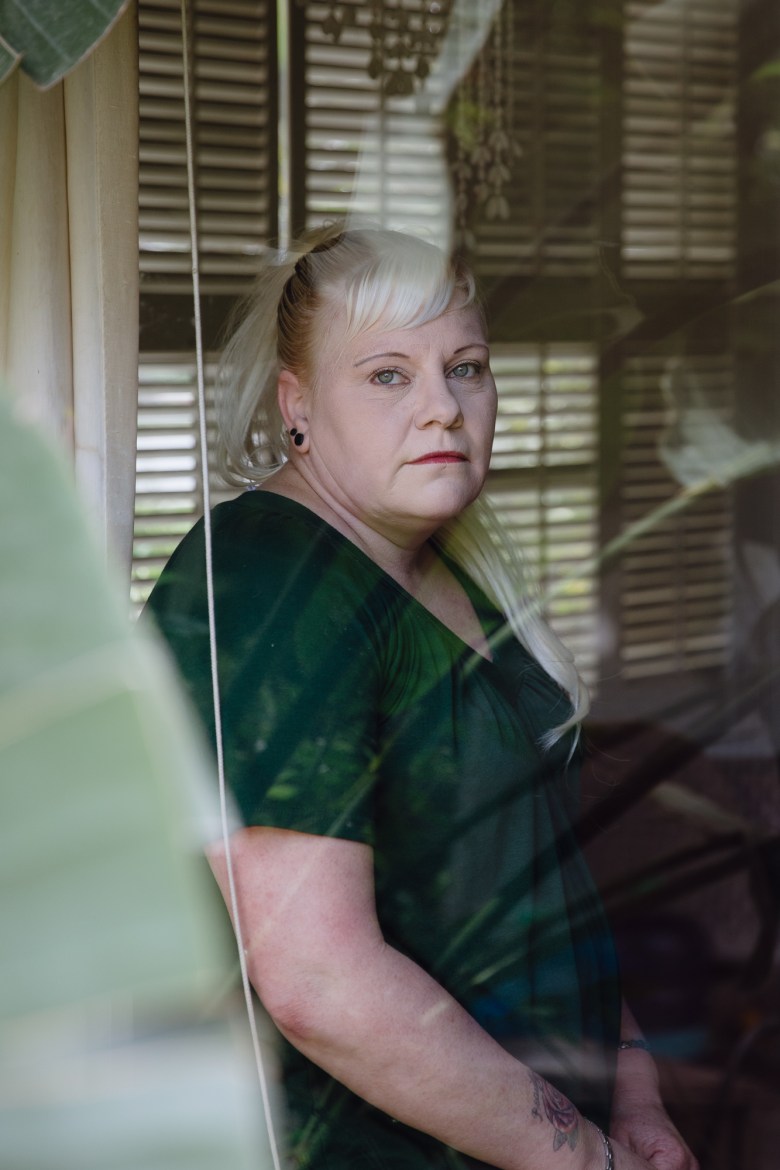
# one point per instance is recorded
(375, 1020)
(639, 1119)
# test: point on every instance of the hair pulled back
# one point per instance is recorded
(382, 279)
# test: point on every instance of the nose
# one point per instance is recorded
(437, 404)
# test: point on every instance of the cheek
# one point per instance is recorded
(360, 442)
(487, 418)
(493, 411)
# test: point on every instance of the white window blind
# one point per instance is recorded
(233, 42)
(679, 218)
(539, 79)
(169, 492)
(543, 481)
(676, 592)
(679, 145)
(376, 156)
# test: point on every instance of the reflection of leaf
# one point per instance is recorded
(757, 457)
(700, 810)
(769, 71)
(672, 757)
(51, 37)
(105, 916)
(698, 443)
(282, 792)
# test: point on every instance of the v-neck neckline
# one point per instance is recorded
(479, 603)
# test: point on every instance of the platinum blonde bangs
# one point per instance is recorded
(407, 283)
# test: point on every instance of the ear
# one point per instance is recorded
(292, 400)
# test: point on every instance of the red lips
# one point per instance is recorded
(441, 457)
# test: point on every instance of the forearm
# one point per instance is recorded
(389, 1032)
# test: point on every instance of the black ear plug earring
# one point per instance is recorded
(296, 436)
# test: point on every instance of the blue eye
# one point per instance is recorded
(387, 377)
(466, 370)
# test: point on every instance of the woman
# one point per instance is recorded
(399, 735)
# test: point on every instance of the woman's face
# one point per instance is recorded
(400, 424)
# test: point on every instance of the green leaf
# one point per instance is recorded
(8, 60)
(112, 933)
(53, 36)
(94, 755)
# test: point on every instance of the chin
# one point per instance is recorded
(447, 506)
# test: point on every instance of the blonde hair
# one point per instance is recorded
(384, 280)
(474, 540)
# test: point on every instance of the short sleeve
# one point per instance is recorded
(298, 667)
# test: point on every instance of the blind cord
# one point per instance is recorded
(204, 462)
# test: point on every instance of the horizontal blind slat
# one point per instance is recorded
(233, 142)
(676, 579)
(679, 141)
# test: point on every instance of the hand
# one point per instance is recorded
(648, 1131)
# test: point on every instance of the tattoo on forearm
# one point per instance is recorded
(551, 1105)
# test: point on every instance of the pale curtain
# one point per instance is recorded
(69, 269)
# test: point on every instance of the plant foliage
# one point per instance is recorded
(48, 38)
(112, 932)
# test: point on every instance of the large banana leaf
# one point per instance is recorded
(49, 37)
(110, 935)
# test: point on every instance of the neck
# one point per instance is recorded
(404, 556)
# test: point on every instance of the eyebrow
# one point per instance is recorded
(375, 356)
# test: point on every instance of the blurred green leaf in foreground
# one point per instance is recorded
(50, 37)
(112, 942)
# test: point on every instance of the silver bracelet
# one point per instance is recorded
(609, 1157)
(633, 1044)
